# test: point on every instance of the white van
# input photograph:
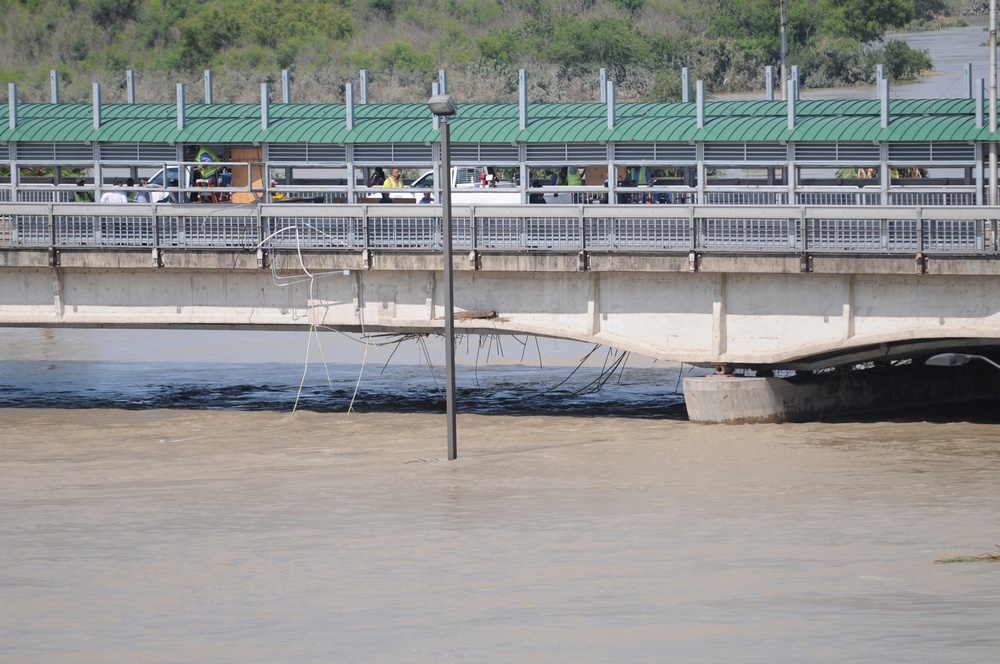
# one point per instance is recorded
(467, 188)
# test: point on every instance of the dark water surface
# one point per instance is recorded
(209, 370)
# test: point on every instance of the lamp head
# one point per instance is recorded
(948, 360)
(442, 105)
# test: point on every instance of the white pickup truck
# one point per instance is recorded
(467, 189)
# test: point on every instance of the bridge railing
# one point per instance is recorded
(529, 228)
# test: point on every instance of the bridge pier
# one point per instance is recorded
(729, 399)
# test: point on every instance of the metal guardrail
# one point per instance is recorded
(527, 228)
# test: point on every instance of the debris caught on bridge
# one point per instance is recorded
(991, 556)
(472, 315)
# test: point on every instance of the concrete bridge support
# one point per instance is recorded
(742, 400)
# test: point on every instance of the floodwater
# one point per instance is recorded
(950, 49)
(225, 536)
(160, 501)
(177, 510)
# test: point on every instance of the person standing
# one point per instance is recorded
(207, 158)
(114, 196)
(82, 196)
(394, 181)
(378, 177)
(142, 196)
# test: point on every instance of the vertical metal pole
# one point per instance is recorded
(265, 106)
(435, 91)
(449, 292)
(784, 49)
(208, 86)
(610, 95)
(980, 89)
(54, 84)
(522, 97)
(130, 85)
(349, 100)
(180, 119)
(700, 100)
(97, 106)
(993, 102)
(12, 112)
(884, 99)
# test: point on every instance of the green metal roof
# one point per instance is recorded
(816, 120)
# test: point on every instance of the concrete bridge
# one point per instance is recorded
(751, 291)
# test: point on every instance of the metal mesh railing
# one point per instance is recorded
(839, 198)
(953, 235)
(409, 232)
(208, 231)
(76, 230)
(909, 198)
(30, 230)
(901, 235)
(315, 232)
(552, 233)
(48, 195)
(499, 232)
(875, 229)
(745, 197)
(125, 231)
(845, 234)
(638, 233)
(748, 234)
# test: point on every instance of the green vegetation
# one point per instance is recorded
(402, 43)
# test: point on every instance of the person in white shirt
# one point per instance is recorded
(114, 196)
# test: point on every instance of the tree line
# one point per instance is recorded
(482, 43)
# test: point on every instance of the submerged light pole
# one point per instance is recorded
(993, 103)
(443, 106)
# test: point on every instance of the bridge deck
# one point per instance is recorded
(791, 287)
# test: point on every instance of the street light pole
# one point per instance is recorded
(993, 102)
(444, 106)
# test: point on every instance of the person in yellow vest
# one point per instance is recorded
(640, 176)
(83, 196)
(206, 157)
(574, 177)
(394, 181)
